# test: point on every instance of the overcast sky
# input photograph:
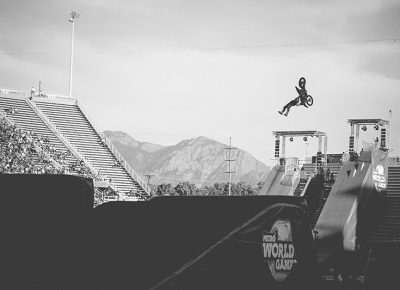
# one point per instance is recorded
(169, 70)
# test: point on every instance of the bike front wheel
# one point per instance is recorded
(310, 100)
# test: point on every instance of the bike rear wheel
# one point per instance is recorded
(310, 100)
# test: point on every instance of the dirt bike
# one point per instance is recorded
(304, 98)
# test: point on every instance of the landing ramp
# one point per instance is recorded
(281, 180)
(200, 242)
(353, 205)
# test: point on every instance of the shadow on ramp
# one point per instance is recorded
(202, 243)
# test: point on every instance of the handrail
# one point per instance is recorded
(97, 193)
(117, 155)
(37, 147)
(11, 91)
(125, 164)
(305, 186)
(55, 97)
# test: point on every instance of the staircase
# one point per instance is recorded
(389, 229)
(310, 168)
(384, 244)
(26, 118)
(71, 121)
(300, 187)
(315, 216)
(334, 168)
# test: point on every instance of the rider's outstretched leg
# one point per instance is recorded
(283, 109)
(289, 105)
(288, 110)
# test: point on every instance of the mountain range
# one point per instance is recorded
(200, 160)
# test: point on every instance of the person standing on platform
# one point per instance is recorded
(32, 93)
(328, 174)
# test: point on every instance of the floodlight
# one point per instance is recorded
(74, 15)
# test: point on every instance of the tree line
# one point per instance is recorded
(186, 188)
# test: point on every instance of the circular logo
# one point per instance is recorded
(279, 250)
(378, 176)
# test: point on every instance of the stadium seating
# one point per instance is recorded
(66, 128)
(26, 118)
(389, 230)
(74, 125)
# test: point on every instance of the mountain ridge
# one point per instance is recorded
(199, 160)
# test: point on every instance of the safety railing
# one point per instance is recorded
(116, 154)
(369, 146)
(107, 198)
(306, 186)
(11, 91)
(125, 164)
(98, 197)
(55, 97)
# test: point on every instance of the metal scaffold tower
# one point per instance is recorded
(378, 124)
(280, 144)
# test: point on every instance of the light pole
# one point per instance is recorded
(389, 145)
(74, 15)
(307, 149)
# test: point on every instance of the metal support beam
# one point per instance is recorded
(319, 143)
(326, 150)
(357, 137)
(283, 146)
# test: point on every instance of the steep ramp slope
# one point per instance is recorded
(352, 204)
(281, 181)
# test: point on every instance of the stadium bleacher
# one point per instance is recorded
(72, 122)
(62, 122)
(26, 118)
(389, 229)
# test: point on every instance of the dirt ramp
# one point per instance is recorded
(203, 243)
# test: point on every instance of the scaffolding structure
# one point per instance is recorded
(378, 124)
(280, 144)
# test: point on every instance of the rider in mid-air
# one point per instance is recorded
(299, 100)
